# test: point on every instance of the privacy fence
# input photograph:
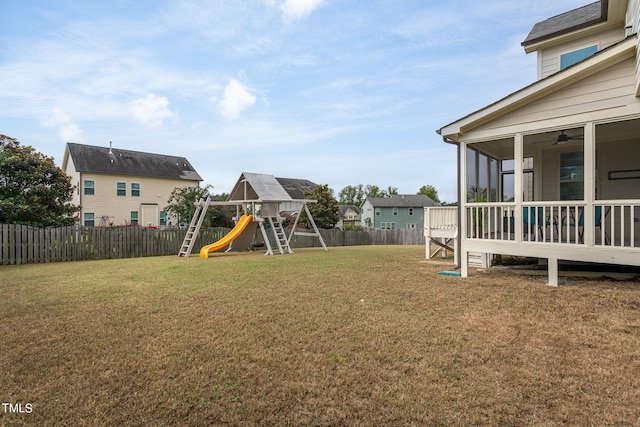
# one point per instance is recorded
(21, 244)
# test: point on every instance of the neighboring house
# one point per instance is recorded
(396, 211)
(122, 187)
(349, 215)
(553, 170)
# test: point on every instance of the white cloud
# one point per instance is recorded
(68, 131)
(236, 98)
(298, 9)
(151, 110)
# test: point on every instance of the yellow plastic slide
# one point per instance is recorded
(230, 237)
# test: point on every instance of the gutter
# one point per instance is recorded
(459, 201)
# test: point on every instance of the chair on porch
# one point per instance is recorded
(598, 223)
(533, 217)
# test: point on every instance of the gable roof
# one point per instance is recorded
(583, 69)
(402, 201)
(296, 187)
(567, 22)
(268, 188)
(93, 159)
(343, 209)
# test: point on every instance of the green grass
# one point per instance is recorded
(353, 336)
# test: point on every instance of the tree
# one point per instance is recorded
(325, 212)
(355, 195)
(430, 190)
(33, 190)
(181, 204)
(351, 195)
(375, 191)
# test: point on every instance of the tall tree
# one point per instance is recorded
(325, 212)
(375, 191)
(429, 190)
(351, 195)
(33, 190)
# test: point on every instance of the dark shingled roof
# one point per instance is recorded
(89, 158)
(296, 187)
(402, 201)
(569, 21)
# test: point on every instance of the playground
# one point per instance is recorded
(259, 200)
(367, 335)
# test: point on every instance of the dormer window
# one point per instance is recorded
(570, 58)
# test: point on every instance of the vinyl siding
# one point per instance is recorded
(549, 62)
(613, 87)
(105, 201)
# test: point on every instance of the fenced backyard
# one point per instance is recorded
(21, 244)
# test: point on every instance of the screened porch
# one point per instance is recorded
(577, 188)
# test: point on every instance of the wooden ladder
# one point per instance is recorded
(194, 227)
(281, 236)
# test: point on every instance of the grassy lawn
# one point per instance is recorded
(354, 336)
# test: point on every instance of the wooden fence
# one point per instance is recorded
(21, 244)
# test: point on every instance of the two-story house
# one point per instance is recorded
(123, 187)
(552, 171)
(396, 211)
(349, 215)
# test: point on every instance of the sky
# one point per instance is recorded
(339, 92)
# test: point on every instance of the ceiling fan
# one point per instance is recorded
(563, 138)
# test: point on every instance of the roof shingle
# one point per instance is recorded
(89, 158)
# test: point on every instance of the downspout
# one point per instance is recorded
(459, 201)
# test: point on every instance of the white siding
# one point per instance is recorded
(613, 87)
(75, 180)
(105, 201)
(549, 59)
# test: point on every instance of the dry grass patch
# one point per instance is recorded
(355, 336)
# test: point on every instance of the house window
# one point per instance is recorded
(568, 59)
(508, 180)
(121, 188)
(89, 219)
(388, 225)
(410, 211)
(395, 211)
(89, 187)
(411, 226)
(135, 189)
(378, 211)
(163, 218)
(134, 217)
(572, 176)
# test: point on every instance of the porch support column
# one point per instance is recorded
(589, 183)
(518, 142)
(462, 226)
(552, 266)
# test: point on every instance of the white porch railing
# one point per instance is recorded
(605, 223)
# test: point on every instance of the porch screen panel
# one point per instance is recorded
(472, 176)
(483, 177)
(494, 171)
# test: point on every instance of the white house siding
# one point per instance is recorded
(75, 181)
(633, 24)
(549, 62)
(610, 88)
(105, 201)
